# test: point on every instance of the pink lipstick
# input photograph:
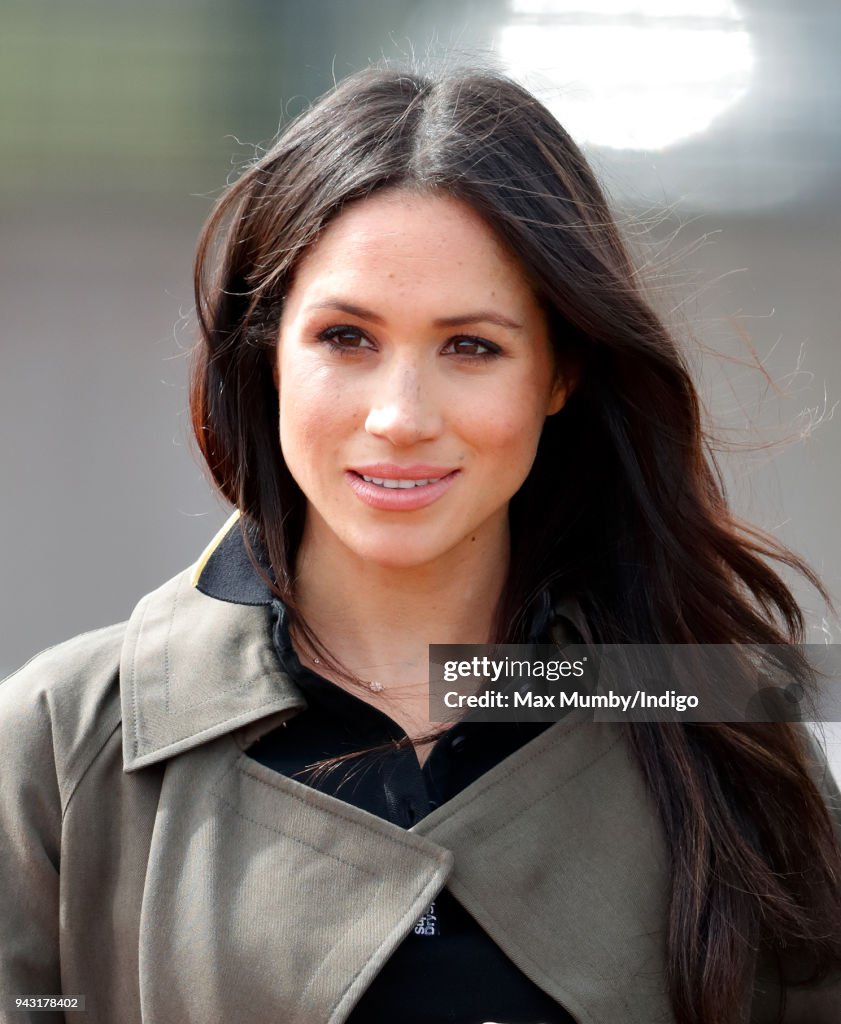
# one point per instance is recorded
(394, 488)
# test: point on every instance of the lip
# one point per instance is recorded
(400, 499)
(417, 471)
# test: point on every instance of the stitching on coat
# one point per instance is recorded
(167, 669)
(270, 669)
(139, 633)
(336, 814)
(265, 669)
(385, 942)
(228, 727)
(90, 765)
(294, 839)
(557, 785)
(249, 682)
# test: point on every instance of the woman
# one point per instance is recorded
(430, 386)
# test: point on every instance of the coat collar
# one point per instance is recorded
(198, 661)
(195, 666)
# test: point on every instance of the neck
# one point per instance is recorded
(379, 620)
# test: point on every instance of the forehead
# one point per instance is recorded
(397, 239)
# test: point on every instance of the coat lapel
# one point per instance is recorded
(559, 856)
(268, 900)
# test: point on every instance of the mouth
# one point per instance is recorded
(396, 493)
(396, 483)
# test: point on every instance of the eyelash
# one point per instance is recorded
(329, 336)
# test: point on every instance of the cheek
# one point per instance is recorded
(507, 425)
(313, 411)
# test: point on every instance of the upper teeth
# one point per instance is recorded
(388, 482)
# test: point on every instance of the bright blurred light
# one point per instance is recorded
(630, 75)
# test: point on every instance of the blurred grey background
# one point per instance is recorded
(714, 124)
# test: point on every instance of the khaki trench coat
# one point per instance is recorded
(149, 865)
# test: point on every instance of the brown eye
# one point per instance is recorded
(344, 339)
(475, 348)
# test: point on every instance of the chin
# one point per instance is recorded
(396, 560)
(394, 554)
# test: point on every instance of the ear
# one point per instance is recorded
(561, 390)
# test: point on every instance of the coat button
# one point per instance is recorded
(457, 743)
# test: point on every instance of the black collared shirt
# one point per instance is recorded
(447, 968)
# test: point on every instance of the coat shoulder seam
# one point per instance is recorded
(106, 733)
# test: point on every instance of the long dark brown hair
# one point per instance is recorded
(624, 506)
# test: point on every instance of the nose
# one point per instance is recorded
(404, 408)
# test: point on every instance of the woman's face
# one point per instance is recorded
(411, 351)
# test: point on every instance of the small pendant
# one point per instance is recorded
(375, 686)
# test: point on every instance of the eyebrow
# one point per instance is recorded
(480, 316)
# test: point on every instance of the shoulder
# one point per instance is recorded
(60, 707)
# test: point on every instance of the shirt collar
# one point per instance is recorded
(225, 570)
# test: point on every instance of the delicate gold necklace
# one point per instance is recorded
(372, 684)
